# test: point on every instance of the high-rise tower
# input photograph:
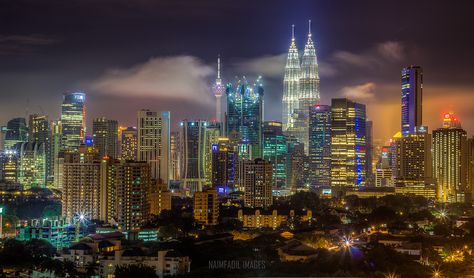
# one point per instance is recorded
(291, 83)
(218, 89)
(450, 158)
(73, 119)
(309, 78)
(245, 114)
(412, 95)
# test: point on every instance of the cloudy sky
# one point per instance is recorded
(160, 55)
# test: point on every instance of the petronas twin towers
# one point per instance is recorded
(300, 83)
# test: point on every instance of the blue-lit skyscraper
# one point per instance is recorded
(348, 143)
(412, 95)
(73, 120)
(245, 114)
(320, 144)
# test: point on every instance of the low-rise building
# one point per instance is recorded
(273, 220)
(165, 262)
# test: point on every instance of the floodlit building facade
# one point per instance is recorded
(348, 143)
(154, 142)
(73, 120)
(257, 179)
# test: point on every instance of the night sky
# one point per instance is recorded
(161, 54)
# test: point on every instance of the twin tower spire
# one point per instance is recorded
(301, 80)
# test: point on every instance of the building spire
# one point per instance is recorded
(218, 66)
(293, 32)
(309, 28)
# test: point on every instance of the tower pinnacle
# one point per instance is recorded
(309, 28)
(293, 32)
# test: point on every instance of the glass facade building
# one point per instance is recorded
(320, 145)
(275, 151)
(348, 143)
(245, 114)
(73, 119)
(412, 94)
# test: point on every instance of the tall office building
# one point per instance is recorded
(193, 134)
(450, 161)
(291, 83)
(245, 114)
(369, 152)
(297, 162)
(257, 180)
(223, 166)
(129, 144)
(412, 96)
(31, 164)
(81, 182)
(16, 132)
(275, 151)
(211, 137)
(348, 143)
(175, 155)
(124, 190)
(105, 136)
(40, 132)
(320, 145)
(56, 145)
(470, 165)
(218, 90)
(73, 120)
(414, 159)
(154, 142)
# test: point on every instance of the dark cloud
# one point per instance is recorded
(21, 44)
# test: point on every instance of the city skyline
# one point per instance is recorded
(119, 78)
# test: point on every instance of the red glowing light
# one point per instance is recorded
(447, 116)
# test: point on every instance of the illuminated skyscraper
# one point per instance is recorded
(450, 161)
(320, 145)
(154, 142)
(414, 159)
(175, 155)
(211, 137)
(31, 164)
(193, 134)
(412, 96)
(16, 132)
(275, 151)
(129, 144)
(56, 137)
(470, 165)
(309, 79)
(257, 180)
(369, 152)
(291, 83)
(73, 119)
(245, 114)
(348, 144)
(124, 193)
(40, 132)
(223, 166)
(81, 182)
(105, 136)
(218, 89)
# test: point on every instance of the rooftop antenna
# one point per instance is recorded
(309, 25)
